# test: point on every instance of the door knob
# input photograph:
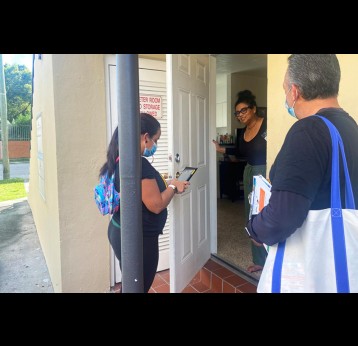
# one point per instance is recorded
(177, 158)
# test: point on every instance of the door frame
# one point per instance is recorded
(212, 157)
(144, 64)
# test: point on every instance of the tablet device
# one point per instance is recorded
(187, 173)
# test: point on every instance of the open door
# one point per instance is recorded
(189, 145)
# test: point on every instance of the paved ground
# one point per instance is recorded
(19, 169)
(22, 264)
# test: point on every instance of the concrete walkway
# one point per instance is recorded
(23, 267)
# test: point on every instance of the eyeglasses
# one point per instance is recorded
(242, 111)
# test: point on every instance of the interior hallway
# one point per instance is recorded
(234, 246)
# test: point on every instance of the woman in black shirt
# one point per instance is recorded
(156, 195)
(252, 145)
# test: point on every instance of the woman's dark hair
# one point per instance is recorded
(112, 154)
(246, 96)
(148, 125)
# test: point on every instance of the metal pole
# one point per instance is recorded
(130, 170)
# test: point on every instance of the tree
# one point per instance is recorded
(4, 131)
(18, 82)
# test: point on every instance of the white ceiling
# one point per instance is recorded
(255, 64)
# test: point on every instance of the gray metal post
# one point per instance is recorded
(130, 168)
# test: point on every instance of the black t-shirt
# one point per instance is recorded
(254, 150)
(303, 165)
(152, 223)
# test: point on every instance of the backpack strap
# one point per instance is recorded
(115, 175)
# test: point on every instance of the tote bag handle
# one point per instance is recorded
(339, 246)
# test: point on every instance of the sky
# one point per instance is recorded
(21, 59)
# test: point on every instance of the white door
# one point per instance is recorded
(188, 121)
(152, 83)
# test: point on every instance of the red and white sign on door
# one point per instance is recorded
(151, 104)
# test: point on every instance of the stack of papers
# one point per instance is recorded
(260, 196)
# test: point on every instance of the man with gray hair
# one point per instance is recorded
(301, 173)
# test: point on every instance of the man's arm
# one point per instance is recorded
(285, 213)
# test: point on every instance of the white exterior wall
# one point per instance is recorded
(70, 94)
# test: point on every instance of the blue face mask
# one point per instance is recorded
(150, 152)
(290, 110)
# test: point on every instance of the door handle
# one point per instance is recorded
(177, 158)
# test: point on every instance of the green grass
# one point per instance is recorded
(12, 189)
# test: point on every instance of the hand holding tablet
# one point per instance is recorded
(187, 173)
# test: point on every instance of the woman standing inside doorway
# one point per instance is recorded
(252, 145)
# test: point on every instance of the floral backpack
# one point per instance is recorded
(105, 194)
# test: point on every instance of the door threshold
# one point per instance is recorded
(237, 270)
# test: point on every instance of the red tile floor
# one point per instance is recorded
(212, 278)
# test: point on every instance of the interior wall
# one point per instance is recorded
(222, 124)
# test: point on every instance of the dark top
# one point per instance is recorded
(152, 223)
(254, 150)
(301, 175)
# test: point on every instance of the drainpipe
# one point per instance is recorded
(130, 170)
